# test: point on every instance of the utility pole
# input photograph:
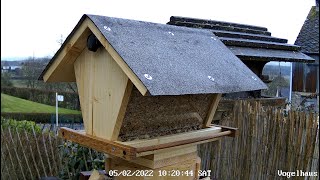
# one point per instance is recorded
(57, 124)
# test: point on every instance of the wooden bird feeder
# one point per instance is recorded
(148, 92)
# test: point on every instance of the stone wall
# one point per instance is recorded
(305, 101)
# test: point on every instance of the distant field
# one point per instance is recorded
(14, 104)
(18, 83)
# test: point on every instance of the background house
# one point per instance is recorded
(11, 66)
(305, 85)
(253, 45)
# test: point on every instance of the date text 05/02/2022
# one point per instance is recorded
(159, 173)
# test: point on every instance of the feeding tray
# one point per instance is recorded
(139, 148)
(145, 88)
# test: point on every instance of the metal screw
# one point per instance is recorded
(171, 33)
(211, 78)
(107, 28)
(148, 76)
(253, 78)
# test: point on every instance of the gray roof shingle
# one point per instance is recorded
(308, 37)
(180, 60)
(251, 41)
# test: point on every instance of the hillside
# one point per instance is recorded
(14, 104)
(274, 70)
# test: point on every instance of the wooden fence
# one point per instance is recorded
(36, 152)
(28, 155)
(269, 140)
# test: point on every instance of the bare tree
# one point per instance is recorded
(71, 86)
(61, 40)
(31, 69)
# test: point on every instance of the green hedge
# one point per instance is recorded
(44, 117)
(29, 126)
(71, 100)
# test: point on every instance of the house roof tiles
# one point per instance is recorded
(247, 42)
(308, 37)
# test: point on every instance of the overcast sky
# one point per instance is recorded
(32, 27)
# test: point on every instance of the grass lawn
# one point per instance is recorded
(14, 104)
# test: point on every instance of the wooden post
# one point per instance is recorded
(158, 166)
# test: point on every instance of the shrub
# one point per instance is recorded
(77, 158)
(20, 125)
(43, 117)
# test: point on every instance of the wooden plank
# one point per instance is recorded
(61, 70)
(182, 142)
(175, 152)
(153, 164)
(102, 145)
(198, 166)
(127, 151)
(109, 91)
(186, 164)
(84, 68)
(172, 138)
(104, 91)
(130, 150)
(107, 162)
(227, 128)
(146, 153)
(122, 111)
(212, 110)
(126, 69)
(166, 158)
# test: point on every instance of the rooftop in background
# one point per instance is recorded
(308, 37)
(247, 42)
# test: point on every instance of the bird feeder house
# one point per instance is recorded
(148, 92)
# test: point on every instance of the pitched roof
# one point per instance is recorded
(246, 41)
(172, 60)
(308, 37)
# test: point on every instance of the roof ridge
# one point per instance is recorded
(216, 22)
(218, 27)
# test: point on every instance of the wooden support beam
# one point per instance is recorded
(102, 145)
(172, 138)
(122, 111)
(212, 110)
(132, 149)
(183, 164)
(61, 70)
(182, 142)
(162, 159)
(234, 131)
(141, 154)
